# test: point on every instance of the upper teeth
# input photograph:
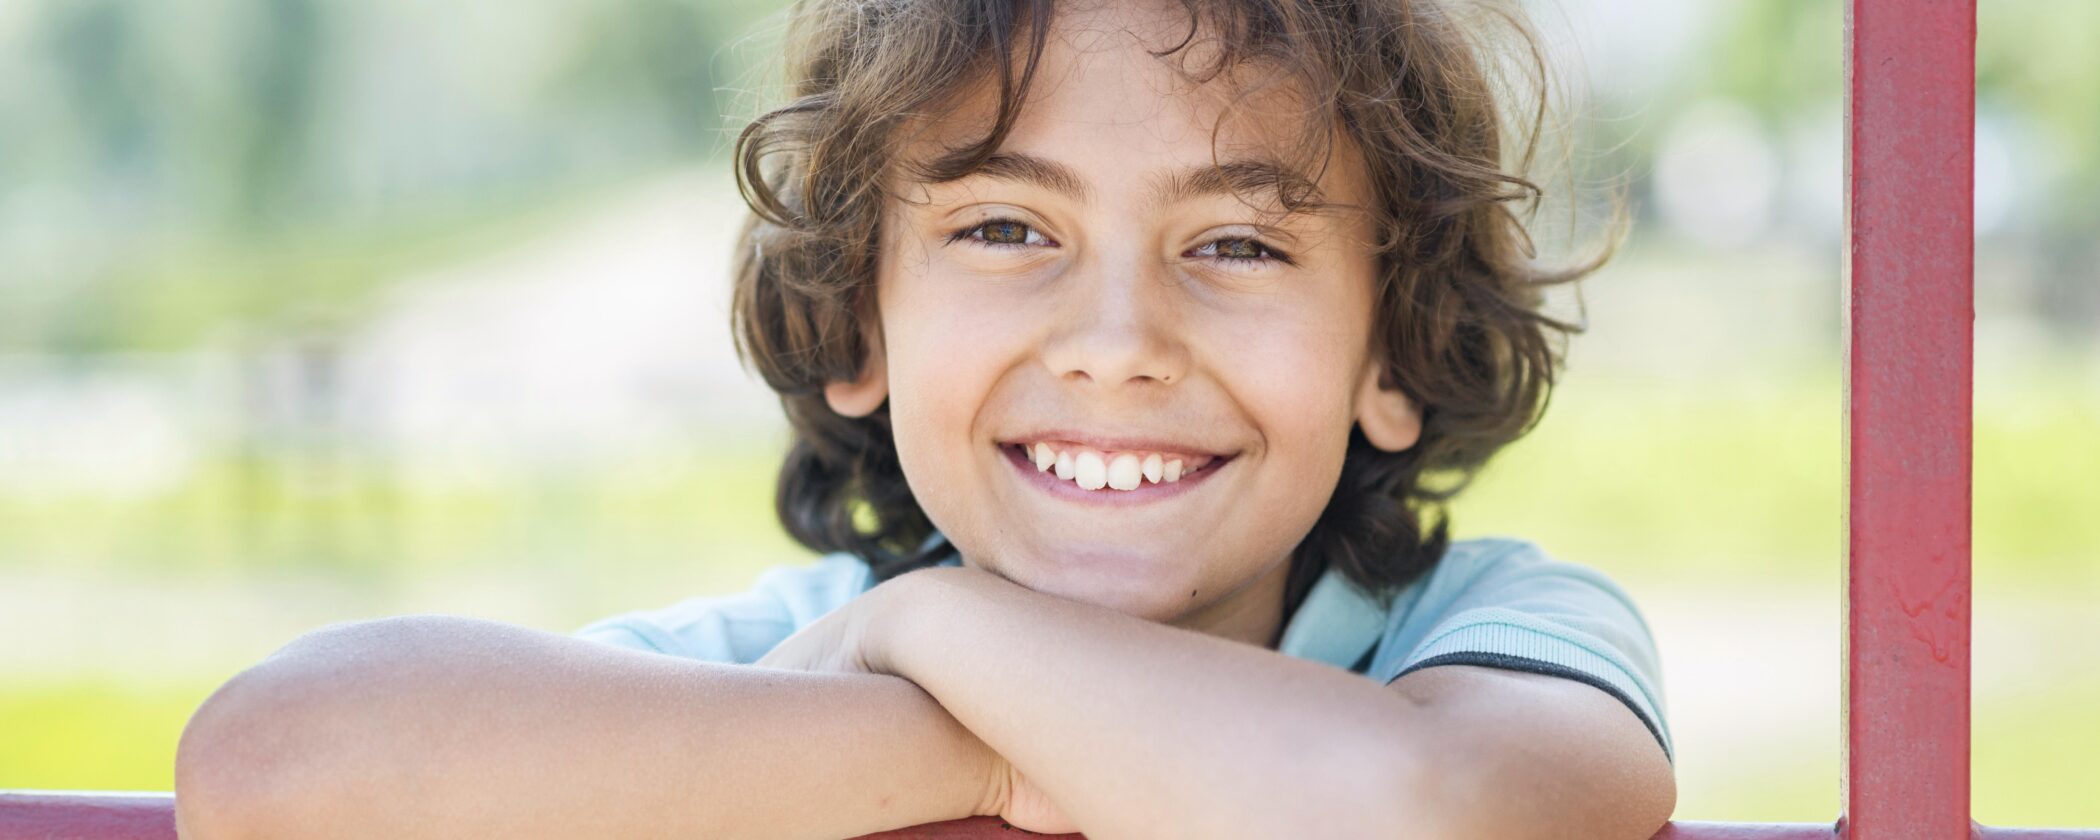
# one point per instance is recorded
(1094, 470)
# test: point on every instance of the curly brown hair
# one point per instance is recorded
(1459, 286)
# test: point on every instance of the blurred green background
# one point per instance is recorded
(314, 311)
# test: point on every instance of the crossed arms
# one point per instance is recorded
(942, 694)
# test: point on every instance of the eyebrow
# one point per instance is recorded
(1248, 176)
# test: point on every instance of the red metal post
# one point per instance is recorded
(1909, 151)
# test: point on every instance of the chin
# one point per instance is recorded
(1151, 588)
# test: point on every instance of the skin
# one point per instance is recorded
(1112, 655)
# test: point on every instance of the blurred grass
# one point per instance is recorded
(93, 735)
(2032, 761)
(1746, 479)
(238, 514)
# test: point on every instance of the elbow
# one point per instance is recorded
(1650, 808)
(262, 756)
(1633, 798)
(225, 762)
(1637, 813)
(1451, 803)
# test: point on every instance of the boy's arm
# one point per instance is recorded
(1540, 756)
(1136, 729)
(445, 727)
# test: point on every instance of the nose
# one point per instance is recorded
(1116, 323)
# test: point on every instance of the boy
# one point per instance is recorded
(1117, 339)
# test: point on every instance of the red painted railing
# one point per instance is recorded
(1910, 155)
(1910, 73)
(151, 816)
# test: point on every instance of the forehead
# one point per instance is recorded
(1116, 113)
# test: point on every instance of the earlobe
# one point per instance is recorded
(861, 396)
(1390, 420)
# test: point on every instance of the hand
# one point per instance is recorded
(836, 643)
(851, 639)
(848, 639)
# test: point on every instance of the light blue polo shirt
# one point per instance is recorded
(1496, 602)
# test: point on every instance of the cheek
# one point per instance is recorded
(1300, 396)
(948, 345)
(1295, 373)
(948, 342)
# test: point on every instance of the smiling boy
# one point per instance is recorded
(1117, 339)
(1080, 299)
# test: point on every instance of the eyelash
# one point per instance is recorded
(1275, 254)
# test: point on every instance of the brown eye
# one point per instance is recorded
(1006, 233)
(1239, 250)
(1001, 233)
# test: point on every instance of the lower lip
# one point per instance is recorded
(1146, 491)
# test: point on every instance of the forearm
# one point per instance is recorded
(1137, 729)
(433, 727)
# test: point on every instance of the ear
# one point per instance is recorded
(1390, 420)
(861, 396)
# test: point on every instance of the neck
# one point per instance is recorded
(1253, 614)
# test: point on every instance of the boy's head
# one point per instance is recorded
(1265, 243)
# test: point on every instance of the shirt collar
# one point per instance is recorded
(1337, 624)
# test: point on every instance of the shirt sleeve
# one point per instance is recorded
(1507, 605)
(741, 628)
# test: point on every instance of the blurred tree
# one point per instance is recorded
(2037, 57)
(1776, 56)
(279, 78)
(96, 48)
(2034, 60)
(652, 57)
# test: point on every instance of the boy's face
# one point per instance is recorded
(1098, 295)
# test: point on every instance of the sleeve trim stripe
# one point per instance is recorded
(1489, 624)
(1519, 639)
(1551, 669)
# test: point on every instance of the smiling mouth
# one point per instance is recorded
(1087, 474)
